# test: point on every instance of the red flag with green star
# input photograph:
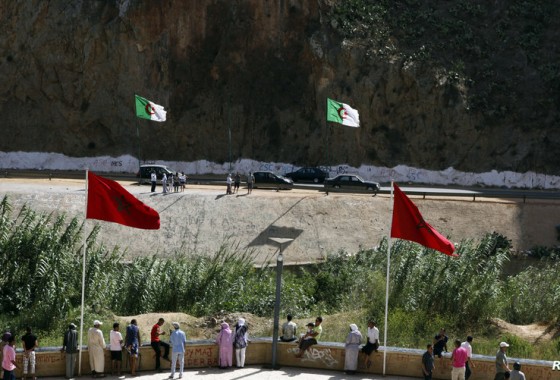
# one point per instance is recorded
(109, 201)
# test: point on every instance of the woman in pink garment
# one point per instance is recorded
(225, 342)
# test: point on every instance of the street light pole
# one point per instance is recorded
(279, 268)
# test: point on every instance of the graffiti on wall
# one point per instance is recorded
(313, 354)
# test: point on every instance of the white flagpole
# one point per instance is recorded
(387, 285)
(83, 282)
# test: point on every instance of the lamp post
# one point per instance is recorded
(279, 268)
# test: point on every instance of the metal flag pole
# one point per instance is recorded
(387, 286)
(83, 281)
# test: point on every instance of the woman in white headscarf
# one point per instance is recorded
(352, 348)
(240, 341)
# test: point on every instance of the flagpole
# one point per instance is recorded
(139, 158)
(83, 282)
(387, 287)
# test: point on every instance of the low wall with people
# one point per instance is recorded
(326, 355)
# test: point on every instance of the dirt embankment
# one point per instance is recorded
(202, 218)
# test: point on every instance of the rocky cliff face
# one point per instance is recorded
(260, 72)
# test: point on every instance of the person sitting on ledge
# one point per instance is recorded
(310, 338)
(289, 328)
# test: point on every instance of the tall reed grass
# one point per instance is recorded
(41, 261)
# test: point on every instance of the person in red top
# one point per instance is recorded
(157, 344)
(458, 359)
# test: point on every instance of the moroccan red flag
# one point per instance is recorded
(109, 201)
(409, 224)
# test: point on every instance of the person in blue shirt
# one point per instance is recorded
(178, 339)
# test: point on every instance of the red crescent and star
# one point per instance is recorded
(342, 112)
(150, 110)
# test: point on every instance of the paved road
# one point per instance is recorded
(257, 373)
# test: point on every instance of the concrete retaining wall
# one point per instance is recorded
(200, 354)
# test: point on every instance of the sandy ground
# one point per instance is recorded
(202, 218)
(208, 327)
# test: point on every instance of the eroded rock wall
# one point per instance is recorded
(256, 72)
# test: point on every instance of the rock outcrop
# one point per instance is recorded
(249, 79)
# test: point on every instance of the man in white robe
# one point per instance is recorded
(96, 349)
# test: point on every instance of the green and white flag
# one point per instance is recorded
(342, 113)
(149, 110)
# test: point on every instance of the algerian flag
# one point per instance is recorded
(342, 113)
(149, 110)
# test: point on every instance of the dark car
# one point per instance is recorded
(350, 182)
(314, 175)
(271, 180)
(144, 175)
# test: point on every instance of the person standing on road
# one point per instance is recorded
(132, 344)
(467, 346)
(70, 347)
(458, 359)
(250, 182)
(178, 340)
(225, 344)
(29, 345)
(176, 182)
(428, 364)
(352, 349)
(236, 182)
(153, 179)
(183, 181)
(164, 182)
(501, 362)
(157, 343)
(229, 181)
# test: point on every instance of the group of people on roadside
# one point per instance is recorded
(177, 180)
(233, 183)
(29, 344)
(461, 359)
